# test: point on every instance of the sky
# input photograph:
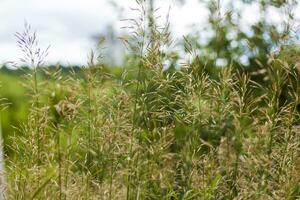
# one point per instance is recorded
(69, 25)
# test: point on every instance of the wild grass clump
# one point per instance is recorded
(164, 134)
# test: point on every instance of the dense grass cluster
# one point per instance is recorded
(151, 133)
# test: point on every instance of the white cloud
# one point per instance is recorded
(65, 24)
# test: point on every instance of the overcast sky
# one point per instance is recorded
(68, 25)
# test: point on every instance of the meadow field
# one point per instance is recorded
(160, 126)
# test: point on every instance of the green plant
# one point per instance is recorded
(150, 132)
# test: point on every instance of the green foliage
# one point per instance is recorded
(245, 49)
(17, 101)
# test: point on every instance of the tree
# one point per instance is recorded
(246, 50)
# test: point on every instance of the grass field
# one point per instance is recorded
(144, 132)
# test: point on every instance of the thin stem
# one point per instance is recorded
(132, 133)
(129, 177)
(59, 165)
(36, 120)
(89, 134)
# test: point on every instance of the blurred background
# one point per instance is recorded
(73, 26)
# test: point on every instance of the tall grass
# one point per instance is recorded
(3, 184)
(163, 134)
